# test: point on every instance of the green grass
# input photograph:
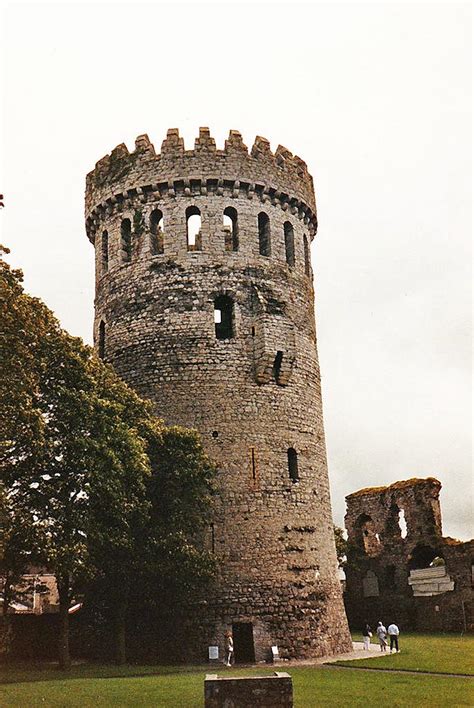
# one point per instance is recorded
(441, 653)
(99, 686)
(167, 688)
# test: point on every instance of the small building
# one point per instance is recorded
(400, 568)
(35, 594)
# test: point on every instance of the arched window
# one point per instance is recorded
(307, 259)
(101, 339)
(231, 229)
(276, 369)
(223, 317)
(289, 243)
(105, 252)
(370, 584)
(422, 556)
(367, 536)
(126, 237)
(156, 232)
(293, 464)
(193, 228)
(396, 524)
(264, 244)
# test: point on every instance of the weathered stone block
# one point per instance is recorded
(249, 692)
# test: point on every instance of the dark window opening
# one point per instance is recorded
(215, 434)
(254, 465)
(289, 243)
(193, 229)
(156, 232)
(253, 331)
(213, 539)
(231, 229)
(223, 317)
(307, 259)
(244, 649)
(105, 252)
(101, 340)
(277, 365)
(368, 538)
(293, 464)
(264, 244)
(422, 557)
(126, 237)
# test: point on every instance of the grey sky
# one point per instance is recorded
(375, 98)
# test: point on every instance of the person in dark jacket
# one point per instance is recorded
(366, 634)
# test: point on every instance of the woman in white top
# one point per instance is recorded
(382, 635)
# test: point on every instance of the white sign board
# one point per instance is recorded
(213, 653)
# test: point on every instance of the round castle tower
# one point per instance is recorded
(204, 304)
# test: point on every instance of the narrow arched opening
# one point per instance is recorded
(156, 232)
(224, 317)
(101, 347)
(105, 251)
(289, 243)
(293, 464)
(126, 239)
(231, 229)
(264, 241)
(370, 584)
(367, 537)
(193, 229)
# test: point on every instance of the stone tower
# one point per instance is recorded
(204, 304)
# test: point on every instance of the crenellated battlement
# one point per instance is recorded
(281, 176)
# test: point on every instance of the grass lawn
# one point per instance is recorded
(96, 685)
(168, 688)
(443, 653)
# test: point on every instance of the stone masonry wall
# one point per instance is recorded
(396, 573)
(253, 396)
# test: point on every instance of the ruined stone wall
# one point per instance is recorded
(253, 396)
(396, 572)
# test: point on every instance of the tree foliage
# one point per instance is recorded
(87, 468)
(341, 545)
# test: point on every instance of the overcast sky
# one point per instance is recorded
(375, 98)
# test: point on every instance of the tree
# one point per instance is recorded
(166, 562)
(77, 452)
(68, 456)
(341, 546)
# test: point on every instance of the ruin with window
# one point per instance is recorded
(208, 302)
(399, 565)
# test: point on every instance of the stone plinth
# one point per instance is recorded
(274, 691)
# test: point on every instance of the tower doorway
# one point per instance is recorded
(244, 648)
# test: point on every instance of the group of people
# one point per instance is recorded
(382, 633)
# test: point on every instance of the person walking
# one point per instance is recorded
(366, 634)
(393, 633)
(229, 649)
(382, 635)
